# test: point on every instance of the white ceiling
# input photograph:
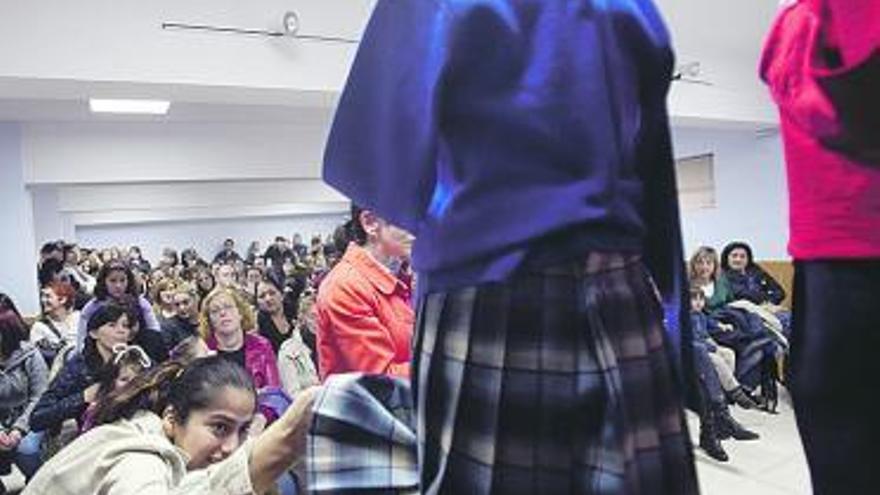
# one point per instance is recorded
(213, 78)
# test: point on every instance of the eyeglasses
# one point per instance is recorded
(120, 351)
(216, 310)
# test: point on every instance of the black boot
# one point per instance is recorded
(769, 387)
(742, 399)
(729, 427)
(709, 441)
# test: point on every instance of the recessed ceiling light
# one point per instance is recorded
(148, 107)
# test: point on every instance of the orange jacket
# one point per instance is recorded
(365, 322)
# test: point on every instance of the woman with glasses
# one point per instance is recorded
(227, 325)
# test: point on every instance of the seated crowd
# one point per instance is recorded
(740, 340)
(120, 341)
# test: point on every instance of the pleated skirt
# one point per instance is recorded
(556, 381)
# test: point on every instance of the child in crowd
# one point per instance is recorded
(128, 362)
(716, 422)
(723, 358)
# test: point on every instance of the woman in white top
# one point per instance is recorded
(180, 429)
(58, 325)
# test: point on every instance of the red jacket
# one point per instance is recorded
(365, 321)
(822, 64)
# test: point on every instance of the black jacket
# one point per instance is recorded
(64, 398)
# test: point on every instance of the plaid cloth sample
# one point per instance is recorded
(362, 439)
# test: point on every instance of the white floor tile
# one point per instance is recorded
(772, 465)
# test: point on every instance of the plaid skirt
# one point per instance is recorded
(556, 381)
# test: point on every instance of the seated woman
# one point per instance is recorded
(295, 359)
(704, 273)
(365, 320)
(756, 349)
(76, 385)
(180, 430)
(205, 282)
(185, 323)
(115, 281)
(227, 325)
(57, 326)
(276, 320)
(748, 281)
(151, 342)
(162, 294)
(23, 378)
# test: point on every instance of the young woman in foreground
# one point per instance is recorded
(180, 429)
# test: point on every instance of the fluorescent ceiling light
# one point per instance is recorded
(149, 107)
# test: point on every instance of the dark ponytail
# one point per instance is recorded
(183, 386)
(353, 228)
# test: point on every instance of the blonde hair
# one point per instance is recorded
(248, 316)
(703, 252)
(187, 288)
(164, 285)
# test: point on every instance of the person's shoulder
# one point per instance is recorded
(39, 326)
(257, 341)
(343, 274)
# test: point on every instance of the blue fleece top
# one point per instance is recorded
(512, 132)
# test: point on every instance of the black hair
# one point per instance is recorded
(49, 269)
(115, 266)
(185, 387)
(6, 302)
(50, 247)
(275, 279)
(725, 253)
(175, 259)
(107, 312)
(13, 330)
(354, 230)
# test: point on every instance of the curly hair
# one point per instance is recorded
(248, 317)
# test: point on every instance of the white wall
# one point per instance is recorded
(117, 152)
(18, 260)
(751, 195)
(122, 40)
(206, 236)
(97, 174)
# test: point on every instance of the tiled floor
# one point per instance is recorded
(772, 465)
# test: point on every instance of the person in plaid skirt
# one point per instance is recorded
(525, 143)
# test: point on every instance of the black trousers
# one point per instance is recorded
(835, 372)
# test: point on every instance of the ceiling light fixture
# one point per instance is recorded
(145, 107)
